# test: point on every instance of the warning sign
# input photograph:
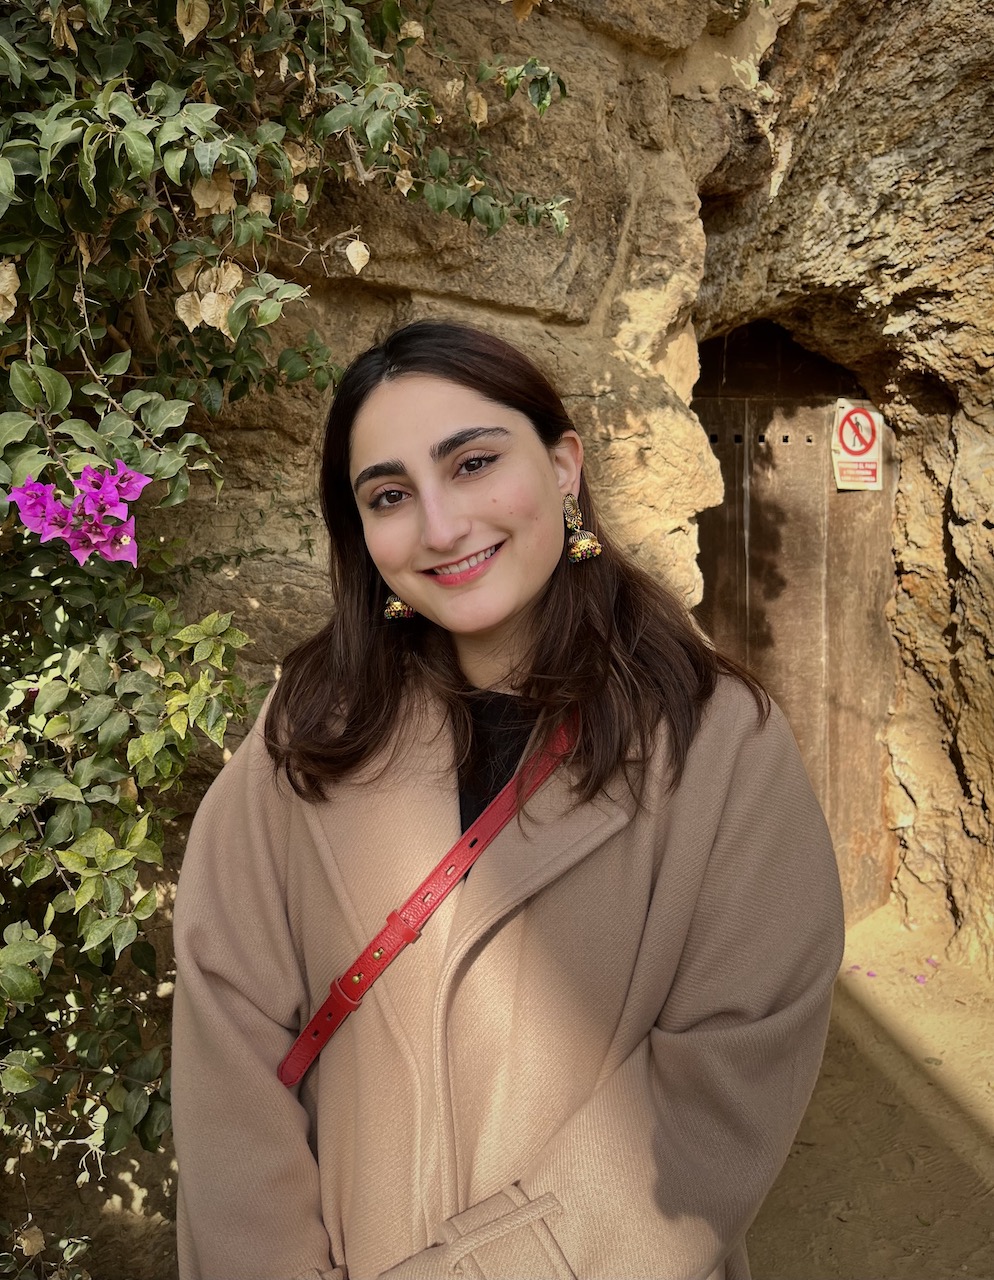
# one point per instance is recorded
(857, 440)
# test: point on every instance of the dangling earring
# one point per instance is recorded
(397, 609)
(582, 543)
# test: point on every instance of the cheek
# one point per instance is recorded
(382, 544)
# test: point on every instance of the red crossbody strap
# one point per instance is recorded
(405, 925)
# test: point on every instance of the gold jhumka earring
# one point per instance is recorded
(397, 609)
(582, 545)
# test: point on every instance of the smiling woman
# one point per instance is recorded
(546, 1085)
(468, 527)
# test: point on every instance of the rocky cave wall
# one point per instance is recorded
(841, 150)
(854, 206)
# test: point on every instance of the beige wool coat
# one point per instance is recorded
(591, 1064)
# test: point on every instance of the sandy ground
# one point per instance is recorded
(892, 1173)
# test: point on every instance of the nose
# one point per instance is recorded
(445, 521)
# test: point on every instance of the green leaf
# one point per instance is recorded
(66, 791)
(161, 415)
(47, 210)
(269, 310)
(95, 674)
(7, 185)
(13, 428)
(146, 905)
(173, 161)
(26, 462)
(113, 729)
(143, 957)
(41, 269)
(337, 119)
(55, 387)
(24, 385)
(155, 1123)
(96, 711)
(116, 365)
(35, 867)
(136, 1105)
(117, 1133)
(50, 697)
(72, 860)
(87, 891)
(146, 1068)
(141, 153)
(125, 932)
(78, 431)
(92, 843)
(379, 129)
(19, 983)
(59, 827)
(16, 1079)
(97, 933)
(438, 163)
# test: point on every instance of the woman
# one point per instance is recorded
(594, 1060)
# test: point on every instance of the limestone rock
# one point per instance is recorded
(869, 245)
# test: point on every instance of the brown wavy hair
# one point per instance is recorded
(614, 654)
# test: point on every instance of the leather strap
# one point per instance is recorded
(405, 925)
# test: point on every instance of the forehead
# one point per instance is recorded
(410, 413)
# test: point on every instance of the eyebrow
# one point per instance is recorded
(441, 449)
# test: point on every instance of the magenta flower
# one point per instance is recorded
(106, 492)
(96, 523)
(58, 520)
(109, 541)
(33, 501)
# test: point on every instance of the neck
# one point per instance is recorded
(484, 664)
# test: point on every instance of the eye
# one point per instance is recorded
(386, 498)
(471, 466)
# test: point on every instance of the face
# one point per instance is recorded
(462, 511)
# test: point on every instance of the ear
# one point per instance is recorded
(567, 459)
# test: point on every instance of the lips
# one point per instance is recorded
(463, 566)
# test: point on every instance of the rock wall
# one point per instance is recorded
(854, 205)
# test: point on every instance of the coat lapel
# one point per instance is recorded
(388, 832)
(552, 836)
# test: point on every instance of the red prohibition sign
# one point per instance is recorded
(863, 430)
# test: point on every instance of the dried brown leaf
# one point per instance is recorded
(298, 160)
(214, 308)
(83, 249)
(404, 181)
(186, 274)
(62, 37)
(229, 277)
(188, 310)
(259, 203)
(9, 280)
(357, 254)
(476, 105)
(522, 8)
(192, 16)
(412, 31)
(31, 1241)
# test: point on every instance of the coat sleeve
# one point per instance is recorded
(249, 1201)
(662, 1170)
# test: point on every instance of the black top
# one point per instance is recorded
(501, 729)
